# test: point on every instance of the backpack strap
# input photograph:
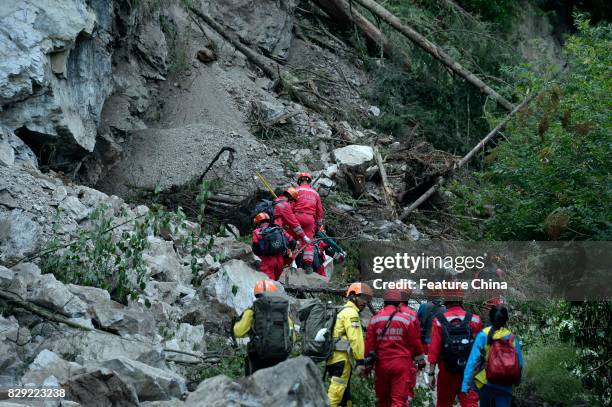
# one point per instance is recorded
(384, 331)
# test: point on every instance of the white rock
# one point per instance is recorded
(59, 194)
(48, 364)
(374, 111)
(75, 208)
(233, 284)
(19, 234)
(353, 155)
(164, 263)
(7, 154)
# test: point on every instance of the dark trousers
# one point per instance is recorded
(253, 363)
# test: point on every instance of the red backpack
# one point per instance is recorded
(503, 365)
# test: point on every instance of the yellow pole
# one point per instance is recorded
(263, 180)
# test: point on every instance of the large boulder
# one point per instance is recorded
(293, 383)
(267, 24)
(52, 294)
(233, 285)
(19, 235)
(55, 69)
(47, 364)
(353, 155)
(100, 388)
(150, 383)
(164, 263)
(111, 315)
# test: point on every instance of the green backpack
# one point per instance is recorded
(318, 321)
(270, 334)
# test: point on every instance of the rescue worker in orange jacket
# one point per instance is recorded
(272, 264)
(393, 339)
(309, 212)
(285, 217)
(349, 345)
(449, 383)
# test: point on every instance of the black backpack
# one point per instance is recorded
(457, 343)
(273, 242)
(318, 318)
(316, 258)
(270, 333)
(265, 205)
(432, 310)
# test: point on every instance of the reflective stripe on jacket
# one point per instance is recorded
(348, 328)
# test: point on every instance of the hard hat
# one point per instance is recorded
(434, 293)
(292, 193)
(393, 294)
(359, 289)
(302, 175)
(405, 294)
(454, 295)
(260, 217)
(264, 286)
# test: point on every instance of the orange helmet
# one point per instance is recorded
(264, 286)
(303, 175)
(260, 217)
(359, 289)
(292, 193)
(393, 294)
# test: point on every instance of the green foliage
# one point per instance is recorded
(550, 178)
(362, 391)
(418, 96)
(108, 254)
(499, 12)
(547, 375)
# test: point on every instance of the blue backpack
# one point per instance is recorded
(273, 242)
(265, 205)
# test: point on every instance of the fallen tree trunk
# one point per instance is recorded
(440, 181)
(270, 68)
(342, 13)
(434, 51)
(385, 181)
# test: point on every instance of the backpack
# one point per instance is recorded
(265, 205)
(431, 311)
(318, 322)
(503, 365)
(270, 333)
(316, 259)
(273, 242)
(457, 343)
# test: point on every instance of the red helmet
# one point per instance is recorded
(406, 292)
(264, 286)
(260, 217)
(393, 294)
(359, 289)
(292, 193)
(434, 293)
(304, 175)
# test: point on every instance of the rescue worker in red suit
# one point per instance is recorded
(271, 265)
(309, 212)
(407, 310)
(449, 384)
(396, 349)
(285, 217)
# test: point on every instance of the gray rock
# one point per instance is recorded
(267, 24)
(55, 69)
(111, 315)
(85, 347)
(101, 388)
(9, 281)
(150, 383)
(187, 338)
(75, 208)
(353, 155)
(7, 154)
(295, 382)
(164, 263)
(19, 235)
(50, 293)
(48, 364)
(233, 284)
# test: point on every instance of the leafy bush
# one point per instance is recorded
(114, 261)
(499, 12)
(547, 377)
(550, 177)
